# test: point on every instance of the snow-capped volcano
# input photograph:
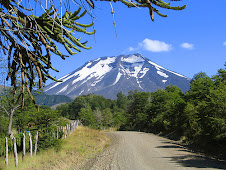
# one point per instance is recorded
(109, 75)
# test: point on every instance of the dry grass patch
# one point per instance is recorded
(83, 143)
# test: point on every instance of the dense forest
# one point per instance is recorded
(197, 117)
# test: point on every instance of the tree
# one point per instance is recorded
(207, 99)
(165, 112)
(63, 109)
(119, 119)
(98, 117)
(107, 117)
(29, 39)
(136, 110)
(221, 74)
(200, 87)
(87, 117)
(9, 105)
(75, 107)
(121, 100)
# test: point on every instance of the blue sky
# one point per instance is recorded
(187, 42)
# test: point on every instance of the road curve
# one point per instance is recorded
(145, 151)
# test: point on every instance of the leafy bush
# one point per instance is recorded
(46, 140)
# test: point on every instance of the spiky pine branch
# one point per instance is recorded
(150, 4)
(32, 39)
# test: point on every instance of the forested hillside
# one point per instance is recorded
(50, 100)
(41, 97)
(198, 116)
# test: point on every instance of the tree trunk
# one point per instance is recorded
(11, 113)
(10, 124)
(6, 151)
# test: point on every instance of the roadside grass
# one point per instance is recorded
(83, 143)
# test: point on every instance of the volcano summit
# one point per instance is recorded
(109, 75)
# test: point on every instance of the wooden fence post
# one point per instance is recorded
(36, 143)
(61, 130)
(6, 151)
(30, 142)
(15, 151)
(70, 128)
(53, 134)
(24, 146)
(65, 132)
(73, 126)
(67, 128)
(57, 133)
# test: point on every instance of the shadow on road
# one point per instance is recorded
(198, 162)
(169, 146)
(180, 148)
(193, 160)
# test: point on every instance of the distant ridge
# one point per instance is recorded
(51, 100)
(109, 75)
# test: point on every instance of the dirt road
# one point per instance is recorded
(142, 151)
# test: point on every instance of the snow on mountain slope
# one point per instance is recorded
(132, 59)
(86, 73)
(109, 75)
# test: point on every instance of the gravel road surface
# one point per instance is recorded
(145, 151)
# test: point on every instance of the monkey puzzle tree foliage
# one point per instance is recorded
(29, 39)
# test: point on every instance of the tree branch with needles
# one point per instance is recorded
(30, 40)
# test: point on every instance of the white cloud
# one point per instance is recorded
(155, 45)
(224, 43)
(131, 49)
(150, 45)
(187, 46)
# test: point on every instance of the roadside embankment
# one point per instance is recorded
(82, 144)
